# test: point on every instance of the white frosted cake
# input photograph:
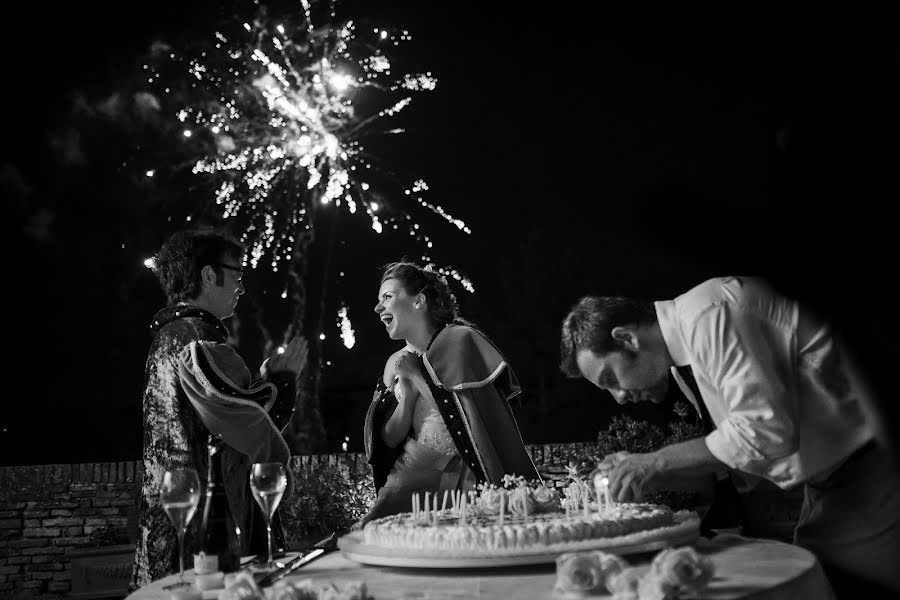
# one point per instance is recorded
(532, 522)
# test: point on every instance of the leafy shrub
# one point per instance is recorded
(326, 499)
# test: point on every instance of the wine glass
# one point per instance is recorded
(179, 496)
(267, 481)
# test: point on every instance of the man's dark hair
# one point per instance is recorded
(183, 256)
(589, 325)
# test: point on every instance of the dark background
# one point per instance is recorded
(626, 148)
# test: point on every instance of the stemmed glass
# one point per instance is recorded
(267, 482)
(179, 496)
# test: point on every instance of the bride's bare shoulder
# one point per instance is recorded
(389, 369)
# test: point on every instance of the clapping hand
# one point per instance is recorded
(290, 358)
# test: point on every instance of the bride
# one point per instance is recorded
(440, 419)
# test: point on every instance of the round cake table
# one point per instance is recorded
(744, 567)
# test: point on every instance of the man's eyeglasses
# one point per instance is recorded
(237, 270)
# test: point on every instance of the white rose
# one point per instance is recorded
(623, 585)
(285, 590)
(578, 574)
(307, 589)
(652, 588)
(582, 573)
(684, 569)
(240, 586)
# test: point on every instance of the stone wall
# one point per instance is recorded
(67, 531)
(50, 514)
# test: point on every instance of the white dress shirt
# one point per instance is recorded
(786, 404)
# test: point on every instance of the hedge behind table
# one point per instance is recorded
(331, 493)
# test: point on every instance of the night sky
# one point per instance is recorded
(630, 148)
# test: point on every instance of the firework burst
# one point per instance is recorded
(285, 107)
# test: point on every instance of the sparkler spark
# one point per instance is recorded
(347, 334)
(284, 108)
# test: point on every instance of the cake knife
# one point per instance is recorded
(321, 547)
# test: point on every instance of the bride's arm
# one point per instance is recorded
(397, 427)
(400, 374)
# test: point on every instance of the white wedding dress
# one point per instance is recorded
(429, 463)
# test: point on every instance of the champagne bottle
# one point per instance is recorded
(216, 548)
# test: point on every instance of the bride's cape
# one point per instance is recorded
(472, 384)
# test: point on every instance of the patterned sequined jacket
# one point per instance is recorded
(175, 437)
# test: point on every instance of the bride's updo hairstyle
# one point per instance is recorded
(441, 303)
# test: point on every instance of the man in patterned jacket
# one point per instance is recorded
(197, 385)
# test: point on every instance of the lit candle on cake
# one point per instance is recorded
(502, 506)
(601, 487)
(444, 503)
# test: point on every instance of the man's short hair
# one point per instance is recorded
(589, 326)
(182, 257)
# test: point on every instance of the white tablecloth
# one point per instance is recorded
(745, 568)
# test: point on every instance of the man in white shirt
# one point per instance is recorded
(786, 405)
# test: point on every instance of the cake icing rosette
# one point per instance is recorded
(521, 501)
(520, 496)
(489, 500)
(546, 499)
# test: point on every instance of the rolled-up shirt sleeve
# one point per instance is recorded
(739, 352)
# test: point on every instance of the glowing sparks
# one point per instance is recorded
(419, 187)
(341, 81)
(283, 109)
(347, 333)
